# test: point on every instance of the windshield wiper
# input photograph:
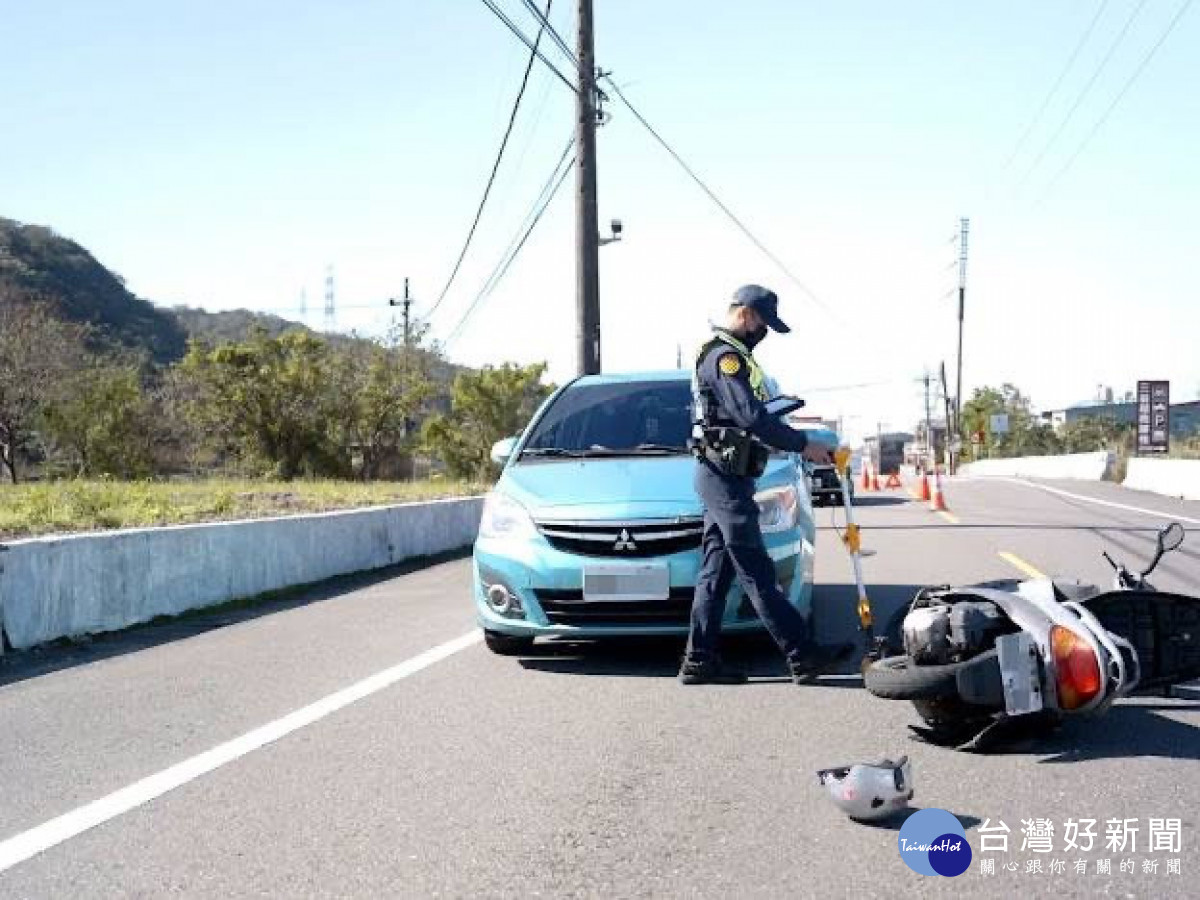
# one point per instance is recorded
(639, 450)
(662, 448)
(552, 451)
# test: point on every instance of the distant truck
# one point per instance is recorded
(886, 451)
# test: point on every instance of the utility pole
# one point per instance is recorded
(407, 304)
(679, 356)
(950, 428)
(929, 443)
(587, 227)
(964, 225)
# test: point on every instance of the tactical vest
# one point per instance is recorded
(732, 449)
(705, 412)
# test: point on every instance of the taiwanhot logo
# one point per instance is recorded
(933, 842)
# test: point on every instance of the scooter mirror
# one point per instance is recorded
(1170, 537)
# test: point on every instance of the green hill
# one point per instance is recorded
(37, 264)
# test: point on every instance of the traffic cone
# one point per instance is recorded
(937, 503)
(925, 495)
(874, 478)
(893, 481)
(866, 479)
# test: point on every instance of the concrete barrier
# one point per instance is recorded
(67, 585)
(1171, 477)
(1079, 466)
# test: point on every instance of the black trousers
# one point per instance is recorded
(733, 547)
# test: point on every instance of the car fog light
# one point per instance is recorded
(500, 599)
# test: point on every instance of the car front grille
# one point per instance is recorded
(567, 607)
(624, 540)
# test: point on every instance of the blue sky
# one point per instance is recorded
(223, 154)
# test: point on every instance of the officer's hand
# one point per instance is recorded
(818, 453)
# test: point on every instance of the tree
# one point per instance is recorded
(385, 389)
(1092, 433)
(101, 416)
(1025, 436)
(37, 352)
(271, 400)
(486, 406)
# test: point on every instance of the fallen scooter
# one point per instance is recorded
(979, 660)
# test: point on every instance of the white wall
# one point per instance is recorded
(1080, 466)
(58, 586)
(1172, 477)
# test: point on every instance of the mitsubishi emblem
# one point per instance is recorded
(625, 542)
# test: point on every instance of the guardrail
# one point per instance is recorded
(1079, 466)
(69, 585)
(1171, 477)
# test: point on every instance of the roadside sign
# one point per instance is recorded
(999, 423)
(956, 444)
(976, 437)
(1153, 417)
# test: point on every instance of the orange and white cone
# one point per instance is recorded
(925, 495)
(874, 478)
(937, 502)
(866, 479)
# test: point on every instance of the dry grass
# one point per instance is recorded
(70, 506)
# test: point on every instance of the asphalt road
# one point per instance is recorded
(580, 771)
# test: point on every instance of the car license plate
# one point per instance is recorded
(1019, 673)
(626, 583)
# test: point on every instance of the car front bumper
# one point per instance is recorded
(548, 585)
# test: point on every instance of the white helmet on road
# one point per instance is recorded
(867, 791)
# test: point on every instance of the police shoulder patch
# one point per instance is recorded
(730, 364)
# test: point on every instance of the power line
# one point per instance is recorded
(1120, 94)
(1084, 93)
(521, 36)
(544, 22)
(741, 226)
(557, 177)
(1057, 84)
(502, 270)
(487, 190)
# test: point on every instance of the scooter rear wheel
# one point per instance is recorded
(899, 678)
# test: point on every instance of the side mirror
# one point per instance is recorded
(502, 451)
(1170, 538)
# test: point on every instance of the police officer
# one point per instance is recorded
(731, 439)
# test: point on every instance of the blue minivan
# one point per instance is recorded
(594, 527)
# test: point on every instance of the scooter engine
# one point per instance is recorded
(941, 633)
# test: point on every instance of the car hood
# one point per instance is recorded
(645, 487)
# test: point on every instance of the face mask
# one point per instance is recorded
(755, 337)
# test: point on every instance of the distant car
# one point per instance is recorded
(594, 527)
(824, 479)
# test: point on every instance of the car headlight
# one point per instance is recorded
(777, 509)
(504, 517)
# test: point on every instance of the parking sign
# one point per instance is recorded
(1153, 417)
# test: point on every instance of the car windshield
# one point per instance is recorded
(621, 419)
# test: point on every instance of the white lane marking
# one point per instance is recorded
(29, 843)
(1174, 517)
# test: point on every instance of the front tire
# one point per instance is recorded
(507, 644)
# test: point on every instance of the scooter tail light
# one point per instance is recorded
(1077, 668)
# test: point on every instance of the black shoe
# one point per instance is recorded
(821, 658)
(709, 671)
